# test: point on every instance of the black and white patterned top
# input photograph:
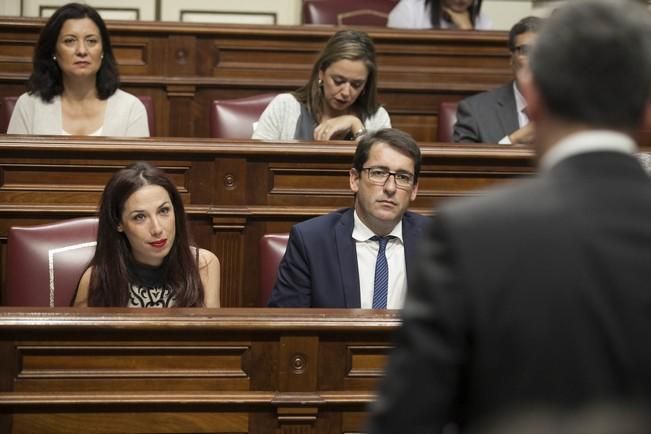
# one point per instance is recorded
(148, 287)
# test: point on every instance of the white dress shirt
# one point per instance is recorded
(521, 108)
(367, 250)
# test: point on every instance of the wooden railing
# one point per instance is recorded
(183, 370)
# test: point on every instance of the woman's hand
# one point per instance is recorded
(459, 19)
(337, 127)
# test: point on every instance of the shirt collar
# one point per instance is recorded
(361, 232)
(520, 102)
(587, 141)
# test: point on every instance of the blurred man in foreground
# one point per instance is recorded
(537, 296)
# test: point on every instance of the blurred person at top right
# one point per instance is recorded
(500, 115)
(439, 14)
(73, 88)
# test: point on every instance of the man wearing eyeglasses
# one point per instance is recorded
(358, 257)
(500, 115)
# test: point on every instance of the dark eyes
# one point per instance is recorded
(71, 41)
(339, 81)
(141, 217)
(383, 174)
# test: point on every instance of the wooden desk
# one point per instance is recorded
(184, 66)
(234, 191)
(190, 370)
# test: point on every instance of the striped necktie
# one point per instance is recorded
(381, 283)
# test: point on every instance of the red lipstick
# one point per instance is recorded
(158, 244)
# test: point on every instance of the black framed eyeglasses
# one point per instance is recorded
(380, 175)
(523, 50)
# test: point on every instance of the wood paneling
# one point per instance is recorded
(234, 191)
(189, 370)
(185, 66)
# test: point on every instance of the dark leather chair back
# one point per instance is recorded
(447, 119)
(272, 250)
(7, 104)
(234, 118)
(347, 12)
(45, 262)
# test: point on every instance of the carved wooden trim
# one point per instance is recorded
(181, 90)
(125, 320)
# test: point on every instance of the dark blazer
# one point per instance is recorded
(486, 117)
(319, 268)
(538, 294)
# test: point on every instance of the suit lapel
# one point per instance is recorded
(347, 256)
(507, 110)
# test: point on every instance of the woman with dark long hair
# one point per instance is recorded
(438, 14)
(73, 88)
(143, 256)
(339, 101)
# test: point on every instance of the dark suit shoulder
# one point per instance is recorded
(490, 96)
(503, 204)
(415, 219)
(319, 226)
(486, 117)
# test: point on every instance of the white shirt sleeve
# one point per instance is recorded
(138, 122)
(21, 116)
(410, 14)
(378, 121)
(273, 119)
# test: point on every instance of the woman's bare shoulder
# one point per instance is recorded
(206, 257)
(81, 297)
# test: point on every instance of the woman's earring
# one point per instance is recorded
(320, 83)
(102, 56)
(54, 57)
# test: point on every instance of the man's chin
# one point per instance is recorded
(387, 217)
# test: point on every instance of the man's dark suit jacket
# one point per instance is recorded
(319, 268)
(487, 117)
(533, 295)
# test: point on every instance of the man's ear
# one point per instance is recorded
(414, 192)
(354, 180)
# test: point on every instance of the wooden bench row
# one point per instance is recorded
(234, 191)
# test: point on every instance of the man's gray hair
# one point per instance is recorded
(592, 63)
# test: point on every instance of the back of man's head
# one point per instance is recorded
(592, 63)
